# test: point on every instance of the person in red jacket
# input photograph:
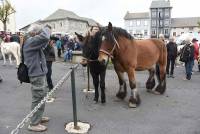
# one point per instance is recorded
(196, 50)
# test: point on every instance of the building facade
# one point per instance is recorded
(63, 21)
(159, 21)
(137, 24)
(160, 16)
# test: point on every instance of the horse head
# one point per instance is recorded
(108, 44)
(90, 45)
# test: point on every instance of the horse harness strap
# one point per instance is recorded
(110, 54)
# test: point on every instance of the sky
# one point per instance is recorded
(103, 11)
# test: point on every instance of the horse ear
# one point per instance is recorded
(80, 37)
(109, 26)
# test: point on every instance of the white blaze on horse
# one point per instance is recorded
(11, 48)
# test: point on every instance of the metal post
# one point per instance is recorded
(74, 98)
(88, 73)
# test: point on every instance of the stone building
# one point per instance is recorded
(63, 21)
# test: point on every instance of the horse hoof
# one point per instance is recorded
(132, 105)
(121, 95)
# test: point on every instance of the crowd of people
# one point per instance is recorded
(189, 54)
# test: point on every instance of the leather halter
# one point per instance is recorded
(110, 54)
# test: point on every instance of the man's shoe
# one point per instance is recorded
(172, 76)
(44, 119)
(37, 128)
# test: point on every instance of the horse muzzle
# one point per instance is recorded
(103, 59)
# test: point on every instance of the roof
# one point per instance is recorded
(185, 22)
(142, 15)
(160, 4)
(63, 14)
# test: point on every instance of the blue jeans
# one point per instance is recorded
(188, 69)
(68, 55)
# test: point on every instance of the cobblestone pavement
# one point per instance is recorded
(175, 112)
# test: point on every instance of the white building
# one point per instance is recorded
(159, 21)
(138, 24)
(184, 25)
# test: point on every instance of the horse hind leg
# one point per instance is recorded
(122, 86)
(150, 84)
(160, 89)
(4, 59)
(10, 58)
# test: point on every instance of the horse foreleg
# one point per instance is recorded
(151, 81)
(95, 78)
(160, 89)
(134, 100)
(102, 86)
(122, 86)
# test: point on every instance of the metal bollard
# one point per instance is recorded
(74, 98)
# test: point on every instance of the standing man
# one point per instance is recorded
(187, 56)
(171, 56)
(35, 60)
(59, 47)
(50, 58)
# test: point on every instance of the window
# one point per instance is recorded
(174, 33)
(161, 23)
(138, 23)
(145, 32)
(166, 22)
(153, 31)
(191, 28)
(145, 23)
(160, 14)
(153, 14)
(131, 23)
(153, 23)
(166, 31)
(166, 12)
(61, 24)
(182, 32)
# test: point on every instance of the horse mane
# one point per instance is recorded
(117, 31)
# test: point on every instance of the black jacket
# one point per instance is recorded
(49, 53)
(171, 50)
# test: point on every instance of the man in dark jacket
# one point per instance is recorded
(171, 56)
(36, 62)
(187, 53)
(50, 58)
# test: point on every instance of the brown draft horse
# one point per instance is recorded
(130, 55)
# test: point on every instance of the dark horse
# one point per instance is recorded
(98, 71)
(130, 55)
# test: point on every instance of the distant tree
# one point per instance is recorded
(6, 10)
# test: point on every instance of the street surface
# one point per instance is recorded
(175, 112)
